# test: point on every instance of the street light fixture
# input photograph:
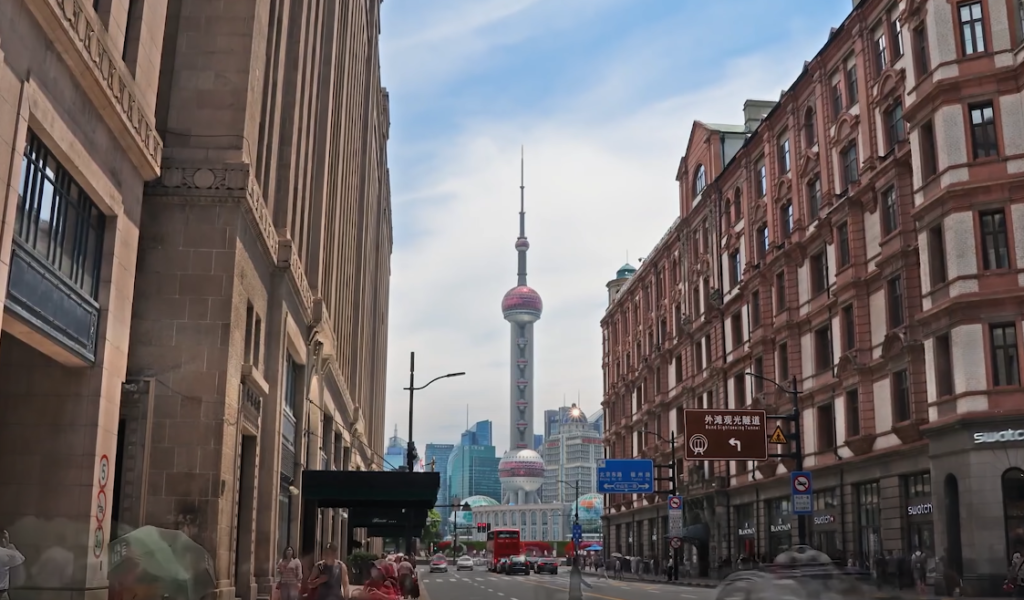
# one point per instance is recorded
(798, 449)
(673, 490)
(411, 450)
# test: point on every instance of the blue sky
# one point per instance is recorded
(602, 94)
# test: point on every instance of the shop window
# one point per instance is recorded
(780, 536)
(1013, 510)
(826, 500)
(869, 531)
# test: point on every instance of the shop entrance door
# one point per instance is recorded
(827, 542)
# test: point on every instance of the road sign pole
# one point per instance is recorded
(675, 492)
(798, 450)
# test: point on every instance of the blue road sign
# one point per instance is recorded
(577, 529)
(803, 492)
(625, 476)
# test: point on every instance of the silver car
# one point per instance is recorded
(465, 563)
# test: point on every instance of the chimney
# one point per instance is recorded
(754, 111)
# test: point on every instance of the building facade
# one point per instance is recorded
(197, 250)
(570, 459)
(436, 459)
(473, 471)
(395, 453)
(480, 434)
(847, 239)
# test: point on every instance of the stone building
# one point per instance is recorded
(202, 314)
(856, 238)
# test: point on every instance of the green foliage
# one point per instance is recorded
(431, 530)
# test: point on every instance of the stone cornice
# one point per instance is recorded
(85, 45)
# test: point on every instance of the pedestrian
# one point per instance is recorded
(919, 570)
(329, 577)
(406, 576)
(10, 558)
(289, 575)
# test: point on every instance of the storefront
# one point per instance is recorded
(868, 521)
(780, 526)
(920, 531)
(827, 522)
(746, 531)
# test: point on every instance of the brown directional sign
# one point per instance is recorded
(725, 434)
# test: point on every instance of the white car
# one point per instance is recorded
(464, 563)
(439, 564)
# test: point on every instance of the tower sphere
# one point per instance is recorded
(521, 470)
(522, 304)
(522, 244)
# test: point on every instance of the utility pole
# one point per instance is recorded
(797, 455)
(673, 488)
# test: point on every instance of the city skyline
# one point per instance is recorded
(467, 92)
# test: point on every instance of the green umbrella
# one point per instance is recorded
(165, 558)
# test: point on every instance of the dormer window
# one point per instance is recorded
(699, 181)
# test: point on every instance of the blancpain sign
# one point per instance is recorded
(989, 437)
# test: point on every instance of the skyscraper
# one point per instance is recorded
(394, 454)
(437, 456)
(521, 307)
(480, 434)
(473, 471)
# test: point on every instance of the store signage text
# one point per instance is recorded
(825, 520)
(1010, 435)
(920, 509)
(745, 531)
(781, 528)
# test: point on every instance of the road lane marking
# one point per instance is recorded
(584, 593)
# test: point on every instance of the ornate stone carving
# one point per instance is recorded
(846, 365)
(861, 444)
(768, 468)
(104, 77)
(892, 345)
(846, 129)
(908, 432)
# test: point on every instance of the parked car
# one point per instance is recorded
(517, 565)
(547, 565)
(439, 564)
(465, 563)
(501, 566)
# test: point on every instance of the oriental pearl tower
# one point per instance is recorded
(521, 469)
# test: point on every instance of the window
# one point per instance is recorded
(929, 155)
(826, 426)
(837, 97)
(755, 308)
(737, 207)
(758, 369)
(995, 251)
(896, 127)
(736, 324)
(814, 198)
(897, 38)
(827, 499)
(972, 32)
(921, 51)
(1013, 510)
(819, 273)
(822, 349)
(851, 84)
(734, 268)
(894, 301)
(739, 389)
(848, 160)
(762, 241)
(890, 211)
(699, 181)
(983, 131)
(58, 220)
(943, 351)
(786, 219)
(780, 291)
(761, 185)
(784, 156)
(900, 397)
(292, 392)
(881, 52)
(937, 256)
(843, 241)
(849, 328)
(1005, 371)
(698, 357)
(782, 362)
(810, 127)
(869, 519)
(852, 413)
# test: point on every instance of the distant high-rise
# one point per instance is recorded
(480, 434)
(538, 441)
(570, 456)
(394, 454)
(437, 456)
(473, 471)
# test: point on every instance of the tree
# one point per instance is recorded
(432, 528)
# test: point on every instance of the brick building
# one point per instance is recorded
(856, 236)
(196, 250)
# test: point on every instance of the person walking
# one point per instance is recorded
(329, 577)
(289, 575)
(919, 570)
(10, 558)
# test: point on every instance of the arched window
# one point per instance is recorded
(522, 518)
(515, 520)
(737, 205)
(1013, 509)
(810, 127)
(699, 180)
(533, 517)
(727, 213)
(544, 518)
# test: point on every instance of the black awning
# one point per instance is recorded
(387, 517)
(371, 489)
(390, 532)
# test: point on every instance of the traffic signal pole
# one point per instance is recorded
(798, 447)
(673, 491)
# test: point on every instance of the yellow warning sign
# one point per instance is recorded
(778, 437)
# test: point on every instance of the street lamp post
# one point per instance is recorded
(410, 457)
(673, 487)
(798, 447)
(576, 515)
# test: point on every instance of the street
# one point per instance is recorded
(482, 585)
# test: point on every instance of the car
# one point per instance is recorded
(517, 565)
(547, 565)
(499, 567)
(439, 564)
(465, 563)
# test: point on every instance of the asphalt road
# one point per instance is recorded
(482, 585)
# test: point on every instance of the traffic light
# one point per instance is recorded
(488, 527)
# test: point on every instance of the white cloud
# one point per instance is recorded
(598, 185)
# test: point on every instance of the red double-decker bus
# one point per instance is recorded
(502, 543)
